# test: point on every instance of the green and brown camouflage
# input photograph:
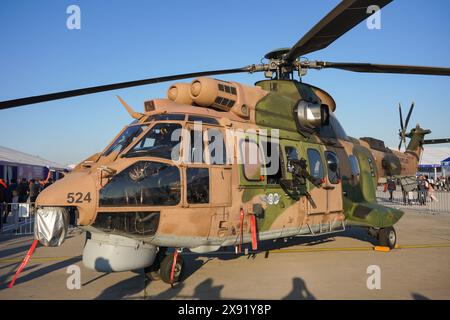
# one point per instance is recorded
(346, 196)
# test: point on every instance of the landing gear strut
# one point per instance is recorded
(153, 272)
(162, 267)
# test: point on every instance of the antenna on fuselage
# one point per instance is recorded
(133, 114)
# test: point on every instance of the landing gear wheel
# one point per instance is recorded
(153, 272)
(166, 268)
(387, 237)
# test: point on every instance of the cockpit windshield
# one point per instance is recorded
(124, 140)
(159, 142)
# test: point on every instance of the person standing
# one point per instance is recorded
(15, 209)
(391, 186)
(431, 193)
(13, 186)
(431, 180)
(23, 190)
(422, 189)
(34, 190)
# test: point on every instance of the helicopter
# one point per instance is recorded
(221, 164)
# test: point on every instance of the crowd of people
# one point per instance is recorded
(419, 193)
(22, 191)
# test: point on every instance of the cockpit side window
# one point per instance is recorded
(125, 139)
(216, 147)
(197, 185)
(159, 141)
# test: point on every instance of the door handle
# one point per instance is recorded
(328, 187)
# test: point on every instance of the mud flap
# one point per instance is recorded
(51, 226)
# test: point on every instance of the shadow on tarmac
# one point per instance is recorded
(299, 291)
(418, 296)
(206, 290)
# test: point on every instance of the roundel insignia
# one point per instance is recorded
(276, 198)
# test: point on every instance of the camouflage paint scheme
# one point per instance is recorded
(206, 227)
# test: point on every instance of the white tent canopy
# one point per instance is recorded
(433, 155)
(18, 157)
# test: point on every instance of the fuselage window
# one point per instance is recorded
(144, 183)
(333, 167)
(216, 147)
(272, 161)
(159, 142)
(354, 165)
(315, 163)
(291, 154)
(250, 157)
(197, 185)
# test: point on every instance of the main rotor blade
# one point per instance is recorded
(401, 117)
(409, 115)
(436, 141)
(344, 17)
(114, 86)
(385, 68)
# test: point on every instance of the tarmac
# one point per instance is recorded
(324, 267)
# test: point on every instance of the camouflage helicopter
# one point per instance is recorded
(147, 192)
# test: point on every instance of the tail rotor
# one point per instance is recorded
(404, 127)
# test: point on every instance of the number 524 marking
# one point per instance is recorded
(78, 197)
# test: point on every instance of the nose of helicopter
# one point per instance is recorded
(77, 189)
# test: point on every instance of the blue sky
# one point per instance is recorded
(129, 40)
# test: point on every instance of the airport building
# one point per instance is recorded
(435, 161)
(16, 165)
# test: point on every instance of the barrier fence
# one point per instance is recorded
(434, 202)
(17, 218)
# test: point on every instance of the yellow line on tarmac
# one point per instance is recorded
(419, 246)
(321, 249)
